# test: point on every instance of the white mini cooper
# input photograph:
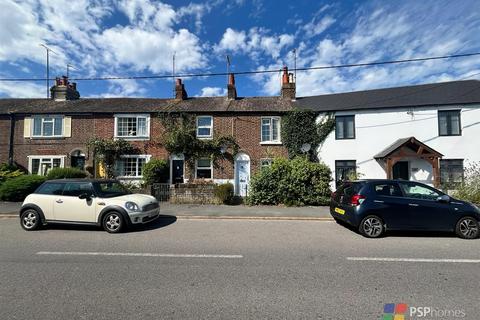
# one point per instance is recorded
(105, 203)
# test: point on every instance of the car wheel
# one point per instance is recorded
(113, 222)
(30, 219)
(467, 228)
(372, 227)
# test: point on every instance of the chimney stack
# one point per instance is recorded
(180, 93)
(231, 90)
(63, 90)
(288, 85)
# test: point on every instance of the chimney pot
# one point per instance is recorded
(285, 76)
(231, 90)
(288, 85)
(63, 90)
(180, 92)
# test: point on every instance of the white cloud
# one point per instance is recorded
(314, 27)
(22, 90)
(212, 92)
(124, 88)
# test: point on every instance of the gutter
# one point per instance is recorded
(12, 135)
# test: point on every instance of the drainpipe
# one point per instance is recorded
(12, 135)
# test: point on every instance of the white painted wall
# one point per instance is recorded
(377, 129)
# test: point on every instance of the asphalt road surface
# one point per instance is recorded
(231, 269)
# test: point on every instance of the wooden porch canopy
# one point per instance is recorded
(408, 148)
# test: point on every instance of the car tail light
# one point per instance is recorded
(333, 195)
(357, 199)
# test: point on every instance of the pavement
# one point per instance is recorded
(223, 269)
(191, 211)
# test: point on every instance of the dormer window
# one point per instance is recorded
(132, 126)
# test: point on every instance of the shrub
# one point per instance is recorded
(224, 193)
(8, 172)
(291, 182)
(66, 173)
(18, 188)
(155, 171)
(469, 190)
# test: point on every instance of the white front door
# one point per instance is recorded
(242, 177)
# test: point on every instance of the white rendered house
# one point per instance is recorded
(426, 133)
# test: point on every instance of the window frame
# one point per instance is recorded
(147, 158)
(204, 168)
(449, 125)
(338, 182)
(41, 158)
(137, 116)
(42, 122)
(279, 133)
(210, 127)
(449, 166)
(345, 130)
(269, 160)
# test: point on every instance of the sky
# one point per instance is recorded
(102, 38)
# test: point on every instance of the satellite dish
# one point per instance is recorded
(305, 147)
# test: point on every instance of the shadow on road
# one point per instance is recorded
(160, 222)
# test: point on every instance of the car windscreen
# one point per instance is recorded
(110, 189)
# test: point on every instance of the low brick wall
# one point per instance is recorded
(193, 193)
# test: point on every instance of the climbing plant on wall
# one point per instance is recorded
(300, 127)
(107, 151)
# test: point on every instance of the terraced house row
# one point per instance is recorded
(426, 133)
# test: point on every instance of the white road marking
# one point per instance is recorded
(413, 260)
(139, 254)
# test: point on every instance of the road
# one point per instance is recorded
(231, 269)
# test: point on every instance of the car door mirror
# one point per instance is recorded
(444, 199)
(85, 196)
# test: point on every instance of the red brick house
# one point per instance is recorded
(39, 134)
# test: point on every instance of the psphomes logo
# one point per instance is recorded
(401, 311)
(392, 311)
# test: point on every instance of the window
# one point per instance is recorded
(451, 171)
(76, 189)
(130, 166)
(47, 126)
(271, 129)
(203, 169)
(132, 126)
(413, 190)
(345, 170)
(266, 162)
(387, 189)
(204, 127)
(344, 127)
(41, 165)
(51, 188)
(449, 123)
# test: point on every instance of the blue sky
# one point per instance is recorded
(138, 37)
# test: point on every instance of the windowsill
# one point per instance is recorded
(271, 143)
(450, 135)
(345, 138)
(129, 177)
(204, 138)
(46, 137)
(130, 138)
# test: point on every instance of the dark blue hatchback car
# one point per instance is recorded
(374, 206)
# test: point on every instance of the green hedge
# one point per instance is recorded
(224, 193)
(294, 182)
(66, 173)
(18, 188)
(155, 171)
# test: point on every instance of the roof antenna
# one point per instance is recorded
(48, 67)
(69, 66)
(295, 65)
(173, 72)
(228, 67)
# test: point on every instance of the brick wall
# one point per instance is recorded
(4, 137)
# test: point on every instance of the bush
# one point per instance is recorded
(224, 193)
(9, 172)
(469, 190)
(66, 173)
(18, 188)
(291, 182)
(155, 171)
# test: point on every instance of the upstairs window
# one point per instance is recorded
(47, 126)
(132, 126)
(344, 127)
(451, 172)
(205, 127)
(449, 123)
(271, 130)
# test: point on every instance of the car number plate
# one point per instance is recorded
(340, 211)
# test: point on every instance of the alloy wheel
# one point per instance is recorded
(29, 220)
(372, 227)
(468, 228)
(113, 222)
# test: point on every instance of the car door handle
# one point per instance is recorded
(59, 201)
(413, 204)
(378, 201)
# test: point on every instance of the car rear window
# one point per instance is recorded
(347, 190)
(51, 188)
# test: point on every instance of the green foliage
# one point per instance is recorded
(291, 182)
(9, 172)
(180, 138)
(299, 127)
(18, 188)
(469, 190)
(155, 171)
(106, 151)
(224, 193)
(66, 173)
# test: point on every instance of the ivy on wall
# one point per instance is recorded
(107, 151)
(300, 127)
(180, 137)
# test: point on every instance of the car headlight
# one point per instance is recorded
(132, 206)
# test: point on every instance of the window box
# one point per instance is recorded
(132, 126)
(205, 127)
(270, 130)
